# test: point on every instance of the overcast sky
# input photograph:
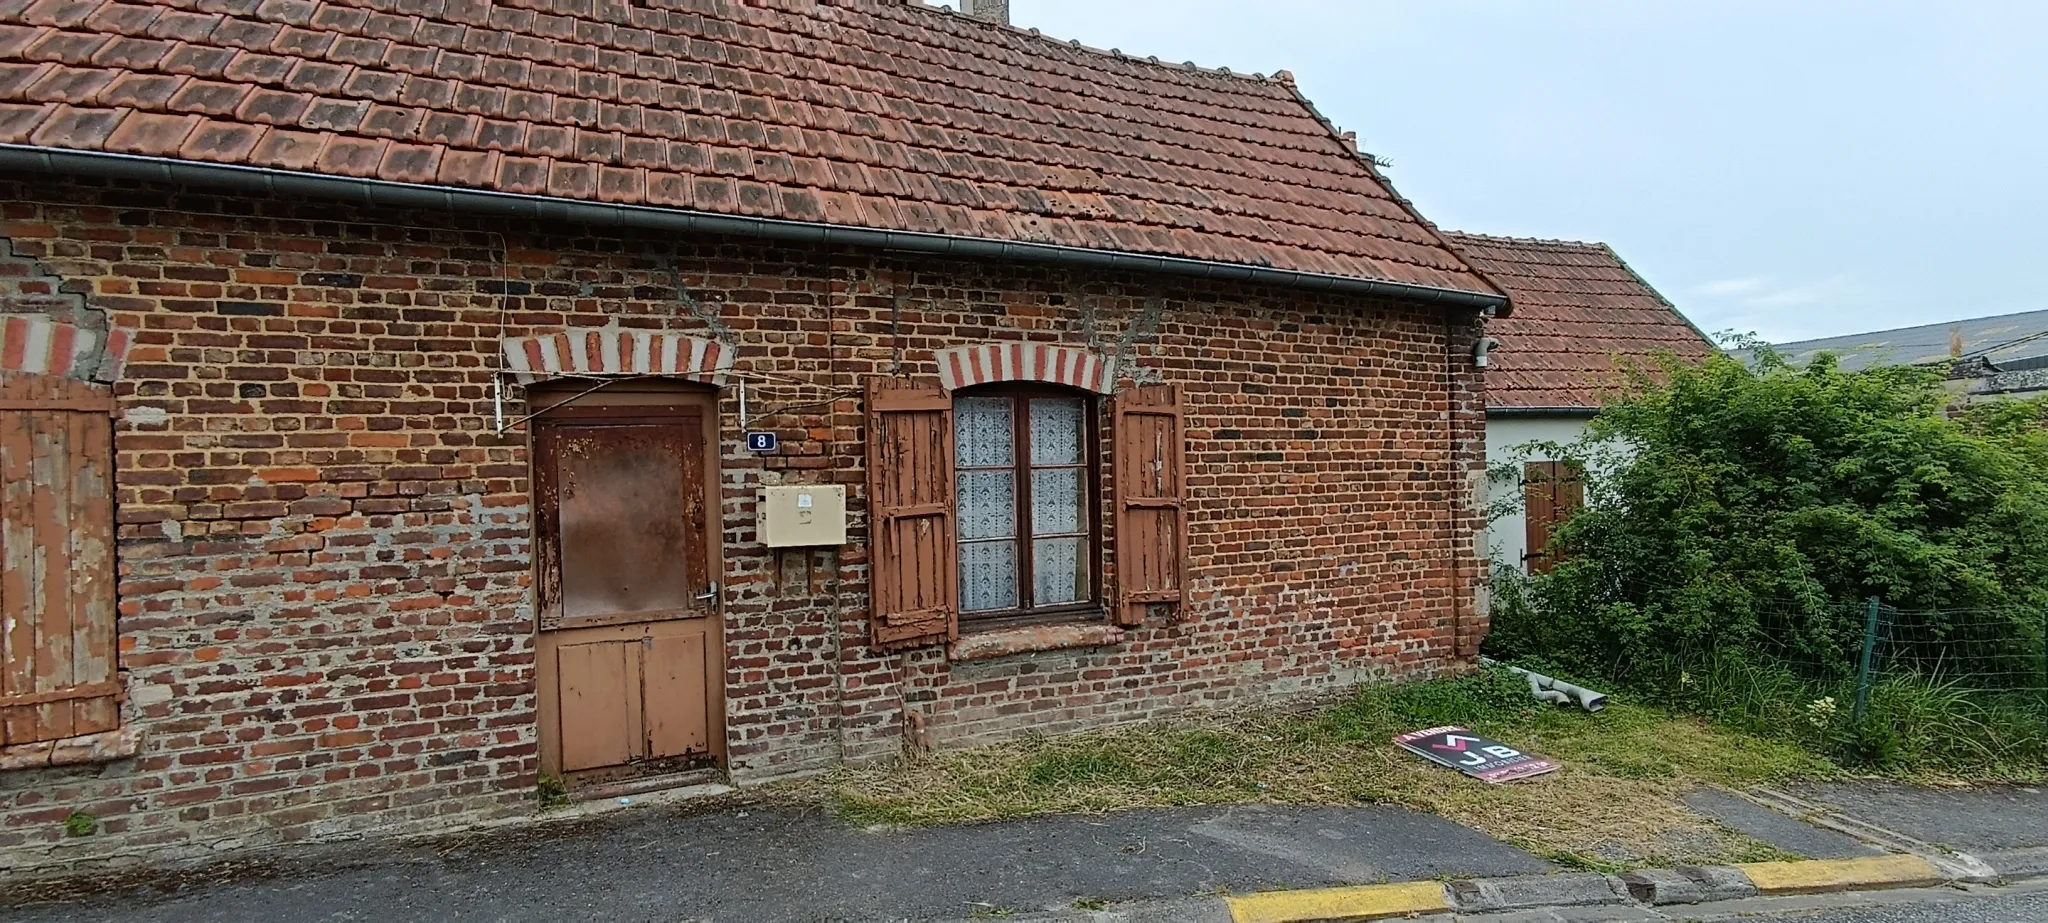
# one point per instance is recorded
(1797, 168)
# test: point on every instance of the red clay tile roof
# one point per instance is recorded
(1578, 309)
(853, 112)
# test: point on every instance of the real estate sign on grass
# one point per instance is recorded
(1481, 758)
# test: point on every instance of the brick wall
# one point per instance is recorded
(325, 593)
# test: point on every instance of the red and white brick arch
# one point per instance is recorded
(40, 346)
(612, 352)
(1064, 365)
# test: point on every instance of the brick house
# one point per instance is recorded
(1581, 317)
(404, 355)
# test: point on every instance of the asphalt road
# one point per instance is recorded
(2025, 902)
(2031, 908)
(783, 866)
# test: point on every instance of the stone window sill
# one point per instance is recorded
(1005, 642)
(106, 747)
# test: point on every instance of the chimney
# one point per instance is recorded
(995, 11)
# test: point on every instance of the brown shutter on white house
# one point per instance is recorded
(1552, 491)
(913, 563)
(57, 547)
(1151, 524)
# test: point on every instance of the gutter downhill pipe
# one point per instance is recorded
(1555, 691)
(449, 198)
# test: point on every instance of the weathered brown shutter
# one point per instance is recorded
(57, 545)
(1151, 526)
(1552, 491)
(913, 564)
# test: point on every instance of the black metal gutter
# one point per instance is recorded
(384, 193)
(1542, 411)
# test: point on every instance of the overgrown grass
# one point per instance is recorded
(1614, 804)
(1917, 726)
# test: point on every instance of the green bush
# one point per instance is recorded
(1734, 508)
(1739, 517)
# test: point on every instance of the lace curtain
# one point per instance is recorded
(987, 459)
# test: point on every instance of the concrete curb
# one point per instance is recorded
(1370, 902)
(1816, 876)
(1688, 884)
(1648, 887)
(1654, 887)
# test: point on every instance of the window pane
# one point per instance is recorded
(1056, 427)
(988, 504)
(1062, 571)
(983, 435)
(1057, 503)
(988, 576)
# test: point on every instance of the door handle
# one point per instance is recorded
(711, 595)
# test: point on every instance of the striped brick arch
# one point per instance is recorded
(41, 346)
(1063, 365)
(610, 351)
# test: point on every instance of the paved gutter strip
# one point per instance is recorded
(2019, 864)
(1955, 865)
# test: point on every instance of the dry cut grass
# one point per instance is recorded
(1613, 805)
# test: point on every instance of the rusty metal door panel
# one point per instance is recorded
(57, 643)
(675, 706)
(599, 702)
(624, 509)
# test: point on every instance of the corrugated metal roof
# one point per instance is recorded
(2008, 341)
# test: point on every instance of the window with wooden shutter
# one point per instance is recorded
(57, 653)
(912, 559)
(1552, 491)
(1151, 524)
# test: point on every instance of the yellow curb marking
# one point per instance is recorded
(1371, 902)
(1818, 875)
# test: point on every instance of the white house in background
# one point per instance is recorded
(1579, 314)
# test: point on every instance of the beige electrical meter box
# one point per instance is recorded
(794, 517)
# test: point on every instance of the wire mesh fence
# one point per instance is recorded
(1825, 641)
(1879, 682)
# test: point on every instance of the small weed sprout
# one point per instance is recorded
(550, 792)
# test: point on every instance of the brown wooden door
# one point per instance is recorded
(632, 659)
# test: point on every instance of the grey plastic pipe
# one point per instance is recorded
(1555, 691)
